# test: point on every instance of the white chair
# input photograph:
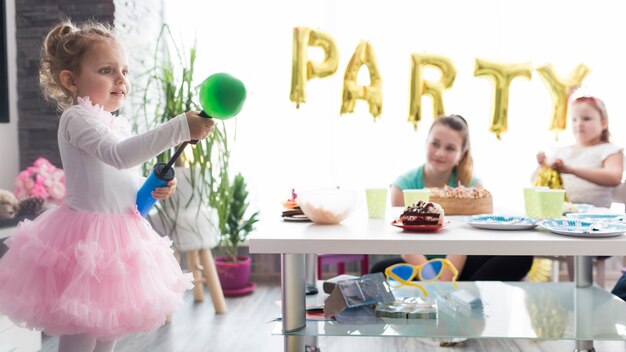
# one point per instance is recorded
(619, 195)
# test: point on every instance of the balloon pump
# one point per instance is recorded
(221, 97)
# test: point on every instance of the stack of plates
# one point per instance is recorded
(295, 214)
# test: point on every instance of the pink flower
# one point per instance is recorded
(41, 179)
(29, 183)
(23, 175)
(42, 163)
(57, 191)
(39, 191)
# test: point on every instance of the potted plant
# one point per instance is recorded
(235, 226)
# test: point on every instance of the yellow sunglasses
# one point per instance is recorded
(404, 273)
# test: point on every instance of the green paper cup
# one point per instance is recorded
(376, 202)
(531, 201)
(411, 196)
(551, 203)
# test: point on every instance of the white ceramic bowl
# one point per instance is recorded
(327, 206)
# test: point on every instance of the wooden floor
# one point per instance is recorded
(245, 328)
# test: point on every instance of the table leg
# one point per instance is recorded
(583, 302)
(584, 346)
(583, 271)
(301, 344)
(293, 299)
(310, 274)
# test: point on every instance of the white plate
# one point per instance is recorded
(501, 222)
(604, 217)
(581, 228)
(298, 218)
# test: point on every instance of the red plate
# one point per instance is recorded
(419, 228)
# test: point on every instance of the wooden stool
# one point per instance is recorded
(341, 260)
(201, 264)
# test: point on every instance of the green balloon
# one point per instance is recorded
(222, 96)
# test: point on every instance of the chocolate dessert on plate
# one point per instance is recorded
(422, 213)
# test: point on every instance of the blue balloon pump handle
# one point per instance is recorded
(160, 175)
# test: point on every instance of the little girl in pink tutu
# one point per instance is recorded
(93, 269)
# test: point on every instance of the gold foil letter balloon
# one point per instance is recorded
(372, 94)
(560, 89)
(502, 75)
(303, 69)
(420, 87)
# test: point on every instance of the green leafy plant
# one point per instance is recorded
(234, 225)
(169, 91)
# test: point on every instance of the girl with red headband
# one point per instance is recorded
(593, 166)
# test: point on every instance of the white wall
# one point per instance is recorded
(8, 131)
(280, 147)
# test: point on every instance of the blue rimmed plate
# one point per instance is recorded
(604, 217)
(582, 228)
(501, 222)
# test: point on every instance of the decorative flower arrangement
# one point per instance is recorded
(41, 180)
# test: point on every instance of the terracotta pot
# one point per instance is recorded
(233, 275)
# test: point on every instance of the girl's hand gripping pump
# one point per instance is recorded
(221, 96)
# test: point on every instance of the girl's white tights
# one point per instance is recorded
(84, 343)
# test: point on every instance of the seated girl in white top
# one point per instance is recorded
(593, 166)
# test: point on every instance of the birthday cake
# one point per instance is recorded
(422, 213)
(463, 200)
(292, 211)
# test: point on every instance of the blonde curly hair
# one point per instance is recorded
(63, 48)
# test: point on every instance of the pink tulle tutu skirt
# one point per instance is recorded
(73, 272)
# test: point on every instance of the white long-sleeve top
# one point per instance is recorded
(100, 156)
(583, 191)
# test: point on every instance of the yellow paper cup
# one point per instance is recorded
(376, 202)
(551, 203)
(531, 201)
(411, 196)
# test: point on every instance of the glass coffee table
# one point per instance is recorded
(578, 311)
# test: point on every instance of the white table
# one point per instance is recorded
(358, 235)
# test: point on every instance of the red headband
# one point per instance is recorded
(586, 98)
